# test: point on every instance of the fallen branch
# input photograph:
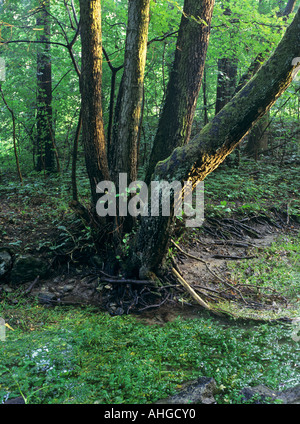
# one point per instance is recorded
(190, 289)
(218, 256)
(113, 280)
(28, 290)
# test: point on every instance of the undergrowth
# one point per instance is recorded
(83, 356)
(253, 188)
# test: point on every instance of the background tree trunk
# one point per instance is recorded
(258, 137)
(227, 73)
(44, 128)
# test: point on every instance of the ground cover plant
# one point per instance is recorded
(83, 356)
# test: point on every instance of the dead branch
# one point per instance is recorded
(190, 290)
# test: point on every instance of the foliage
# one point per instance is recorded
(81, 356)
(250, 29)
(253, 189)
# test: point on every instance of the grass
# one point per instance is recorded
(71, 355)
(276, 269)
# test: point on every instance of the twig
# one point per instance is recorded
(218, 256)
(157, 305)
(28, 290)
(114, 280)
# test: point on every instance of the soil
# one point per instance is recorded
(76, 282)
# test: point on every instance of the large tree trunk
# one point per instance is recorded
(123, 150)
(93, 136)
(177, 116)
(44, 128)
(218, 139)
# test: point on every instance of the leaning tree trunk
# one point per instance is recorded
(44, 129)
(218, 139)
(90, 86)
(175, 124)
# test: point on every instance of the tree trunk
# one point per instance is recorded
(123, 151)
(218, 139)
(177, 116)
(288, 8)
(93, 136)
(227, 73)
(258, 137)
(44, 128)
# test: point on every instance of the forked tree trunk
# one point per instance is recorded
(204, 153)
(175, 124)
(218, 139)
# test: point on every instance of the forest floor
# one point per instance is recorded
(243, 262)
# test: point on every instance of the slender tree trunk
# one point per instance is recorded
(258, 138)
(74, 158)
(93, 136)
(205, 103)
(123, 151)
(218, 139)
(45, 137)
(13, 135)
(288, 8)
(177, 116)
(227, 73)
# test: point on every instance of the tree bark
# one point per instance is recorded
(218, 139)
(93, 135)
(123, 150)
(227, 73)
(45, 137)
(177, 116)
